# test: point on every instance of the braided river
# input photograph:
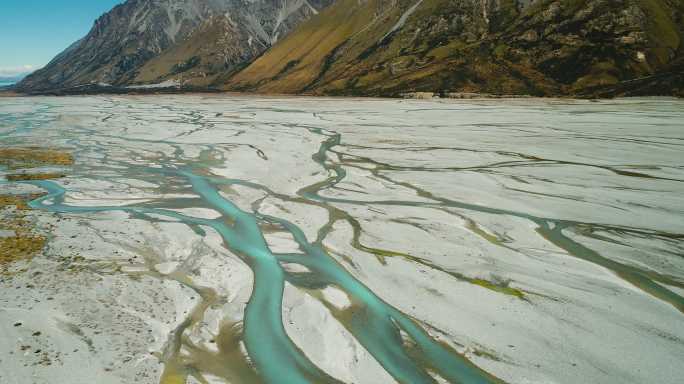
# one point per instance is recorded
(232, 239)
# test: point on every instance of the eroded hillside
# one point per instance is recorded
(386, 47)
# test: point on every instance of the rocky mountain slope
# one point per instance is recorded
(147, 41)
(542, 47)
(382, 47)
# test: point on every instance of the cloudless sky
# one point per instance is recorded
(32, 32)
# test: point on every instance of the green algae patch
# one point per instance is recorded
(499, 287)
(34, 176)
(22, 243)
(486, 355)
(31, 157)
(476, 229)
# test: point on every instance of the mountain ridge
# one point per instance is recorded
(586, 48)
(126, 39)
(542, 48)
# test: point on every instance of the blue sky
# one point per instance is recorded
(32, 32)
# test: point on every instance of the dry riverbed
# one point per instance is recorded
(530, 241)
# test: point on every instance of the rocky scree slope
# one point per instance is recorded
(151, 41)
(533, 47)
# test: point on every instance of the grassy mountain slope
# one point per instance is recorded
(542, 47)
(295, 63)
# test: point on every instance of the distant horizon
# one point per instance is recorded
(33, 32)
(13, 79)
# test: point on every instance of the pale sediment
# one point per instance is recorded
(538, 239)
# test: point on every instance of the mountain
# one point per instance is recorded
(382, 47)
(147, 41)
(542, 47)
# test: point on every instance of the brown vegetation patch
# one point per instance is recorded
(34, 176)
(19, 247)
(29, 157)
(17, 201)
(22, 243)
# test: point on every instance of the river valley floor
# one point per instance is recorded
(232, 239)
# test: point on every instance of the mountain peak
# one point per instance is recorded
(132, 34)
